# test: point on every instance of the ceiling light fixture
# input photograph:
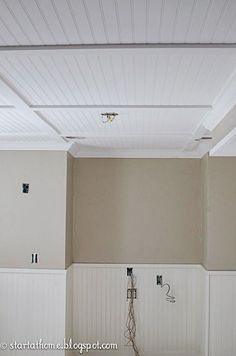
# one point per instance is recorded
(108, 116)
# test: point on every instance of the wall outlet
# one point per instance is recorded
(129, 271)
(131, 293)
(159, 280)
(25, 188)
(34, 258)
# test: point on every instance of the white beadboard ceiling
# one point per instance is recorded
(167, 67)
(50, 22)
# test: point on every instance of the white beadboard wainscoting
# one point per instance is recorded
(32, 306)
(88, 302)
(69, 307)
(163, 328)
(222, 314)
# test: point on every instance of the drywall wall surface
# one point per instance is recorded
(137, 211)
(34, 222)
(221, 218)
(69, 212)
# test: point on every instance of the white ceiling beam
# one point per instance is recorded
(224, 131)
(22, 107)
(7, 107)
(201, 146)
(125, 135)
(165, 48)
(110, 106)
(118, 46)
(225, 140)
(115, 106)
(223, 103)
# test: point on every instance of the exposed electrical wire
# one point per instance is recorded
(130, 332)
(108, 117)
(169, 298)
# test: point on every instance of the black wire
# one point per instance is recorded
(169, 298)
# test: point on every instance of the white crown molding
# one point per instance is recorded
(73, 149)
(95, 153)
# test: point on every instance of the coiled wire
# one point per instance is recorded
(169, 298)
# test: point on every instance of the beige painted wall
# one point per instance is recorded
(125, 210)
(205, 205)
(220, 237)
(34, 222)
(137, 210)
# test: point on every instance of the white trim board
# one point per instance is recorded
(33, 271)
(88, 153)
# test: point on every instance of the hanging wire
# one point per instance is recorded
(169, 298)
(130, 332)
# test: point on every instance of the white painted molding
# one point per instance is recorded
(33, 271)
(135, 154)
(139, 265)
(73, 149)
(223, 103)
(163, 48)
(105, 134)
(215, 150)
(221, 273)
(13, 97)
(115, 106)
